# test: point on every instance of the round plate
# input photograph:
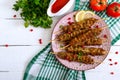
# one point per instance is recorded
(77, 65)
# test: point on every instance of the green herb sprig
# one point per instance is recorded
(80, 54)
(34, 12)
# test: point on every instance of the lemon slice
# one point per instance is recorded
(79, 16)
(88, 14)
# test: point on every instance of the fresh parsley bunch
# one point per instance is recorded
(34, 12)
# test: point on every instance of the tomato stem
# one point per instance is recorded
(116, 8)
(99, 2)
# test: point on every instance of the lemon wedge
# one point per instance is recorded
(88, 14)
(81, 15)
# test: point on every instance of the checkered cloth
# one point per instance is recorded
(44, 65)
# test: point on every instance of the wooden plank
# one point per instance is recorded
(16, 58)
(13, 60)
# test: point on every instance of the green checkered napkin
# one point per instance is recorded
(44, 65)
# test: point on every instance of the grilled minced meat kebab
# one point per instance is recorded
(91, 41)
(86, 51)
(75, 57)
(83, 38)
(69, 36)
(85, 24)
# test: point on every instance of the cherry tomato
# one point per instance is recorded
(98, 5)
(113, 10)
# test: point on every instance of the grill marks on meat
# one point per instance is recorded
(88, 35)
(91, 41)
(85, 24)
(74, 57)
(69, 36)
(86, 51)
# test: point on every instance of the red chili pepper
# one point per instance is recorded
(58, 5)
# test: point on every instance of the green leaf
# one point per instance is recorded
(36, 2)
(26, 24)
(80, 54)
(34, 12)
(16, 7)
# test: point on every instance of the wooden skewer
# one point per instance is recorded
(65, 46)
(104, 27)
(104, 40)
(52, 40)
(104, 18)
(57, 31)
(98, 62)
(53, 52)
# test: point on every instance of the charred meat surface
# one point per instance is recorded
(86, 51)
(85, 24)
(75, 57)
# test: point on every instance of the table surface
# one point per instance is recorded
(19, 44)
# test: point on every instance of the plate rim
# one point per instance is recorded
(74, 68)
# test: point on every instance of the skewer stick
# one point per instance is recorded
(100, 20)
(53, 40)
(98, 62)
(104, 18)
(65, 46)
(104, 40)
(57, 31)
(104, 27)
(53, 52)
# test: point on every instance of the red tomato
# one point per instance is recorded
(113, 10)
(98, 5)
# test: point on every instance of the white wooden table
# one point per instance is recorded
(18, 45)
